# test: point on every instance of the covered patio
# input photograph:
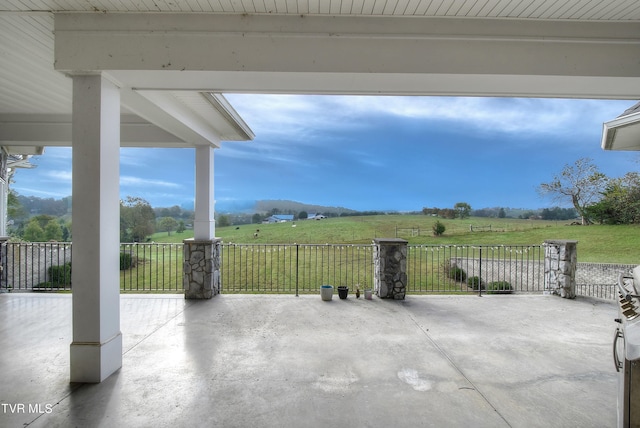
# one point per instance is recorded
(98, 75)
(284, 361)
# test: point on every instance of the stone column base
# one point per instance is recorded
(390, 264)
(201, 268)
(560, 263)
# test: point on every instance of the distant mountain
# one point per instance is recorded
(235, 206)
(293, 207)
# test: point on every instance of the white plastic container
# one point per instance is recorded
(326, 292)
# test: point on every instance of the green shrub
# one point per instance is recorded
(126, 260)
(457, 274)
(60, 276)
(499, 287)
(475, 282)
(438, 228)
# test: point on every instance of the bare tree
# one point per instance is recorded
(581, 184)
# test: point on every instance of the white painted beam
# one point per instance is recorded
(161, 108)
(345, 44)
(490, 85)
(55, 130)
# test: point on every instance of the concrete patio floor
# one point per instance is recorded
(285, 361)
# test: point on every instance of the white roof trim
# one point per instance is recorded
(622, 133)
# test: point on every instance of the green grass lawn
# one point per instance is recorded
(596, 243)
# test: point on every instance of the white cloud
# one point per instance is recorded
(510, 115)
(130, 157)
(60, 176)
(138, 181)
(292, 116)
(61, 192)
(302, 115)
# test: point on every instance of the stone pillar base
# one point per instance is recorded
(390, 264)
(560, 263)
(201, 268)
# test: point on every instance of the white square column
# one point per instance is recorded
(96, 350)
(204, 225)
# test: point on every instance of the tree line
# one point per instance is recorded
(555, 213)
(38, 220)
(460, 210)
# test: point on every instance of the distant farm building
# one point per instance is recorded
(279, 218)
(316, 217)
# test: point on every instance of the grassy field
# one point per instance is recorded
(596, 243)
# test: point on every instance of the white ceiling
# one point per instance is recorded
(529, 9)
(31, 88)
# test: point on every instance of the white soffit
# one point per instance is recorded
(531, 9)
(194, 117)
(24, 150)
(27, 130)
(29, 84)
(622, 133)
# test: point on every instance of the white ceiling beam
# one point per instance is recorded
(161, 108)
(388, 84)
(55, 130)
(345, 44)
(23, 150)
(34, 129)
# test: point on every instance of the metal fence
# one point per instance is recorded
(294, 268)
(600, 279)
(46, 266)
(153, 267)
(302, 268)
(36, 266)
(475, 268)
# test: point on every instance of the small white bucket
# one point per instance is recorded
(326, 292)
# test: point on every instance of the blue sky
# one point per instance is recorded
(371, 153)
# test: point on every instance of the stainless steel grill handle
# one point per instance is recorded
(616, 360)
(623, 291)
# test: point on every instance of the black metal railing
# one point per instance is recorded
(36, 266)
(475, 268)
(596, 279)
(154, 267)
(294, 268)
(303, 268)
(46, 266)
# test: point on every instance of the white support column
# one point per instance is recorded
(201, 271)
(4, 191)
(96, 350)
(204, 227)
(4, 196)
